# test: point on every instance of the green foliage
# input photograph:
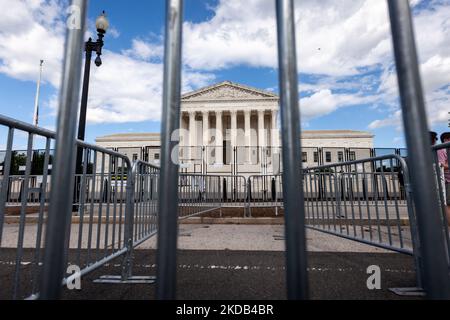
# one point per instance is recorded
(324, 170)
(17, 160)
(388, 169)
(37, 165)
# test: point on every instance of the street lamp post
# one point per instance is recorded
(101, 25)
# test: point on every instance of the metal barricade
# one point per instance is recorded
(96, 232)
(442, 151)
(108, 238)
(265, 191)
(433, 247)
(198, 194)
(15, 239)
(146, 195)
(233, 191)
(35, 190)
(368, 201)
(168, 201)
(296, 257)
(141, 219)
(364, 204)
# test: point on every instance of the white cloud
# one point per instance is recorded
(338, 41)
(392, 120)
(239, 33)
(398, 140)
(113, 32)
(126, 88)
(145, 50)
(432, 28)
(31, 30)
(335, 39)
(323, 102)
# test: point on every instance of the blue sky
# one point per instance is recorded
(346, 73)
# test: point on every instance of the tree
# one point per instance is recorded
(17, 160)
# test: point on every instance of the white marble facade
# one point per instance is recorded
(229, 124)
(226, 117)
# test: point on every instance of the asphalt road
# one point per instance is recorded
(241, 275)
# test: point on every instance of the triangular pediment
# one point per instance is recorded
(227, 91)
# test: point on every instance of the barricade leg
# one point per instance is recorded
(127, 263)
(296, 265)
(433, 249)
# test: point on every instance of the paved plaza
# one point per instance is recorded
(239, 262)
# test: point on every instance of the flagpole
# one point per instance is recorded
(36, 101)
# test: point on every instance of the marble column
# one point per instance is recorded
(192, 134)
(205, 128)
(248, 135)
(205, 118)
(183, 137)
(233, 132)
(261, 135)
(183, 130)
(274, 132)
(219, 138)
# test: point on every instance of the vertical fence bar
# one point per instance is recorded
(100, 205)
(168, 197)
(108, 202)
(91, 208)
(64, 162)
(81, 207)
(40, 223)
(5, 181)
(115, 199)
(22, 219)
(122, 200)
(132, 173)
(397, 212)
(435, 266)
(412, 216)
(297, 279)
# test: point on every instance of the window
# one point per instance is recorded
(156, 156)
(352, 156)
(340, 156)
(135, 156)
(316, 156)
(328, 156)
(304, 157)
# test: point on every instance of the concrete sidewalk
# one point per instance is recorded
(233, 262)
(207, 237)
(255, 238)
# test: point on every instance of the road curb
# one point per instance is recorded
(216, 220)
(234, 220)
(192, 220)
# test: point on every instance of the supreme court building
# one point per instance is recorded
(229, 128)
